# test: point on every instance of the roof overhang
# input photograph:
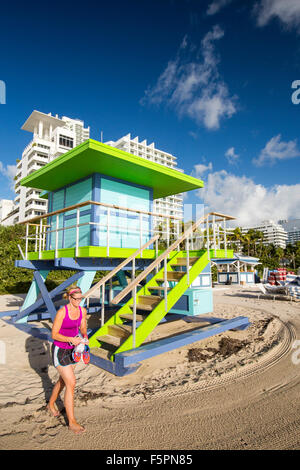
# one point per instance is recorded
(94, 157)
(36, 117)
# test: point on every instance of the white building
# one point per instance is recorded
(52, 137)
(292, 227)
(172, 205)
(273, 233)
(6, 206)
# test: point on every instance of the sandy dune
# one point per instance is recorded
(237, 390)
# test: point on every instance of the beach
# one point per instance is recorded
(235, 390)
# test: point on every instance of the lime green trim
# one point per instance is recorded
(94, 157)
(101, 252)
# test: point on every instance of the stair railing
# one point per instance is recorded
(101, 284)
(163, 257)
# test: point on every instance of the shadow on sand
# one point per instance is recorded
(39, 356)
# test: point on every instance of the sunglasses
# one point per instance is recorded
(76, 298)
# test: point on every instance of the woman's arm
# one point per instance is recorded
(56, 327)
(83, 327)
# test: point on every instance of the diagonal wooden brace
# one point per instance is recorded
(47, 296)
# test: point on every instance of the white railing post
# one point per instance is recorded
(207, 238)
(107, 231)
(44, 238)
(26, 241)
(40, 245)
(168, 232)
(36, 238)
(77, 231)
(156, 254)
(133, 269)
(56, 236)
(134, 317)
(165, 285)
(141, 228)
(188, 260)
(110, 291)
(225, 237)
(214, 234)
(102, 304)
(178, 234)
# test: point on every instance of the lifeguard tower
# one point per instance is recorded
(100, 219)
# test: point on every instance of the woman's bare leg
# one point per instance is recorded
(68, 376)
(57, 389)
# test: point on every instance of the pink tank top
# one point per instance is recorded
(69, 328)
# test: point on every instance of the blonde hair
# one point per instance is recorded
(70, 290)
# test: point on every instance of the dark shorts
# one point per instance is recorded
(62, 357)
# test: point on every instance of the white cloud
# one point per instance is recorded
(194, 88)
(201, 168)
(231, 156)
(9, 172)
(216, 6)
(287, 11)
(249, 202)
(276, 150)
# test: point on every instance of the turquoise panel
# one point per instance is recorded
(79, 192)
(58, 203)
(124, 227)
(84, 232)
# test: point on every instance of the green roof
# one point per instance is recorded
(94, 157)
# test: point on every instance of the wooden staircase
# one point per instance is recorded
(116, 334)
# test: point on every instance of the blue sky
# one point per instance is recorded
(209, 81)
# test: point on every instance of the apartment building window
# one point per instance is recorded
(66, 141)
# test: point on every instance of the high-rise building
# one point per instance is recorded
(292, 227)
(52, 137)
(172, 205)
(273, 233)
(6, 206)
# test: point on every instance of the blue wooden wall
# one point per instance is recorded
(124, 226)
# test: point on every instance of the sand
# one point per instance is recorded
(236, 390)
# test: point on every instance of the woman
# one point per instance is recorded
(69, 319)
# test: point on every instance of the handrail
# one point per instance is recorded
(117, 268)
(87, 203)
(164, 255)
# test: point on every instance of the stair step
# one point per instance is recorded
(129, 316)
(121, 331)
(149, 299)
(158, 288)
(182, 261)
(149, 308)
(172, 276)
(114, 340)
